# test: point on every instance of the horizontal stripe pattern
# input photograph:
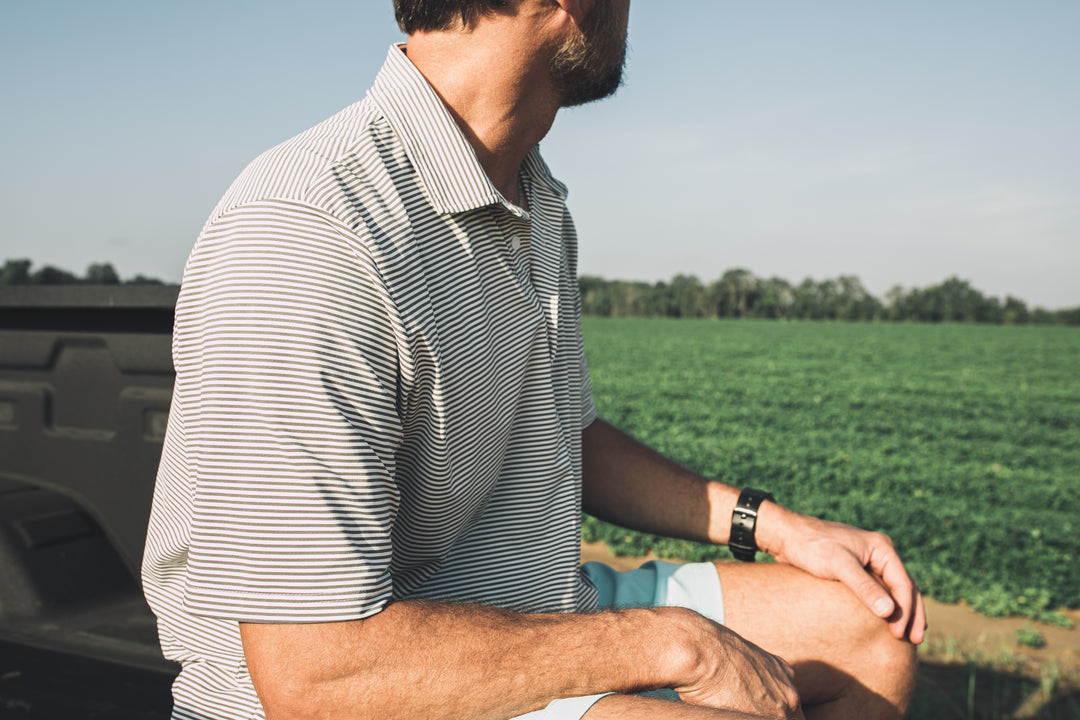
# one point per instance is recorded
(380, 393)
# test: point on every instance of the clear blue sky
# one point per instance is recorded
(899, 142)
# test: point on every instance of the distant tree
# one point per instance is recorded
(830, 299)
(734, 294)
(804, 305)
(687, 297)
(101, 274)
(1042, 316)
(991, 311)
(844, 298)
(629, 299)
(953, 300)
(852, 301)
(50, 275)
(595, 295)
(15, 272)
(1070, 316)
(1015, 311)
(143, 280)
(18, 272)
(894, 303)
(777, 297)
(659, 301)
(738, 293)
(956, 301)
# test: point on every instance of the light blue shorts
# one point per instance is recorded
(654, 584)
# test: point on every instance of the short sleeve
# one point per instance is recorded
(588, 407)
(286, 362)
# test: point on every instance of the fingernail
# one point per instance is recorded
(883, 607)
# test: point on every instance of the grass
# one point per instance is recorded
(961, 442)
(977, 687)
(1028, 636)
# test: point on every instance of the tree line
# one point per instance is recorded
(21, 272)
(741, 294)
(737, 294)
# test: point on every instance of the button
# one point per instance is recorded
(515, 244)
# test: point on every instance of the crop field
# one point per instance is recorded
(962, 442)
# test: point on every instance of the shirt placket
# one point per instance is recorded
(515, 229)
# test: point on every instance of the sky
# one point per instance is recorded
(903, 143)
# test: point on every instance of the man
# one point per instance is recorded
(382, 438)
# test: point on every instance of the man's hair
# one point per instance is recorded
(429, 15)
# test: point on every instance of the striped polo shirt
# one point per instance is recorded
(380, 392)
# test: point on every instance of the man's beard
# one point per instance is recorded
(589, 66)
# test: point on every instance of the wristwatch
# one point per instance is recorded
(742, 543)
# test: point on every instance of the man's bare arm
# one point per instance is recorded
(627, 483)
(439, 660)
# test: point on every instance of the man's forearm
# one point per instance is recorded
(629, 484)
(434, 660)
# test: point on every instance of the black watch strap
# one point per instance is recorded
(742, 542)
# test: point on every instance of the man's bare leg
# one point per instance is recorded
(847, 664)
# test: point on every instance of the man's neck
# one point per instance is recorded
(500, 93)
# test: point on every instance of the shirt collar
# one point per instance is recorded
(444, 160)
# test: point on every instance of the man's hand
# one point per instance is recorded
(731, 673)
(864, 561)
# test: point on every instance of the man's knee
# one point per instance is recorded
(836, 645)
(867, 638)
(874, 664)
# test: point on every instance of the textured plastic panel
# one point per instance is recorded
(85, 383)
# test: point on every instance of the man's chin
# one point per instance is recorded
(582, 92)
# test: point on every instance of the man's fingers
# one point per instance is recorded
(908, 620)
(906, 610)
(910, 617)
(868, 564)
(915, 630)
(867, 589)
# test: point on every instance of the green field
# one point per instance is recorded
(962, 442)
